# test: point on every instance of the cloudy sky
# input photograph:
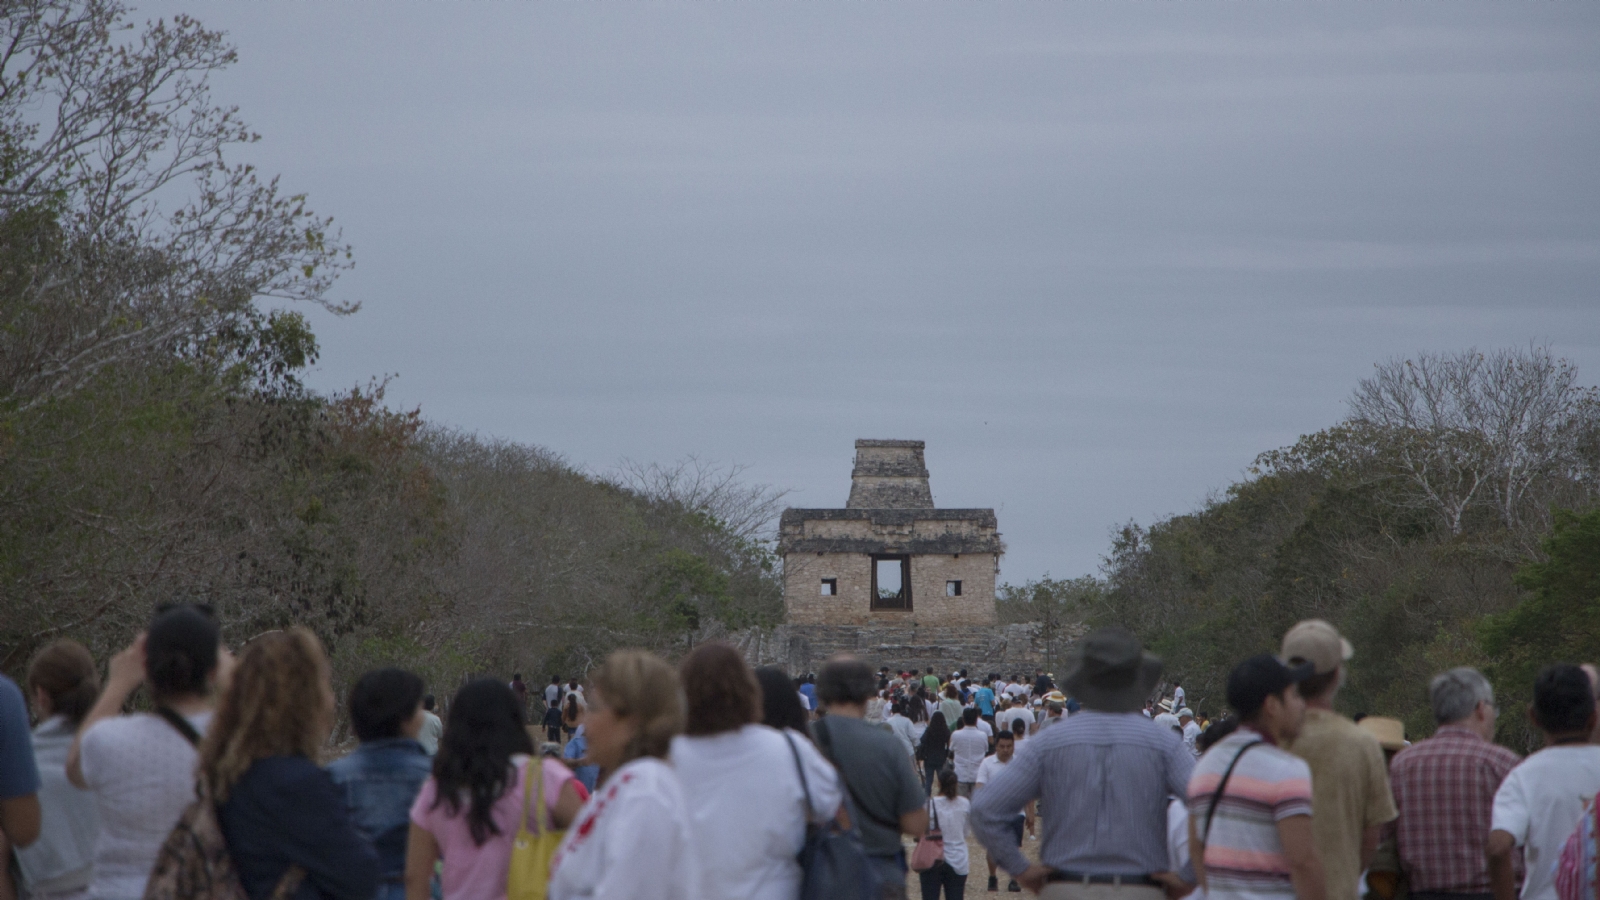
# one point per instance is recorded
(1097, 254)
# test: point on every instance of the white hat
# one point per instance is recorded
(1186, 711)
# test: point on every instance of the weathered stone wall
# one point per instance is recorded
(1008, 649)
(805, 604)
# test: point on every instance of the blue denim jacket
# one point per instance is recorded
(381, 780)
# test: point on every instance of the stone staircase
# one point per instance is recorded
(1007, 649)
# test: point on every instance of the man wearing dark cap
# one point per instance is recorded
(1250, 833)
(1349, 777)
(1104, 774)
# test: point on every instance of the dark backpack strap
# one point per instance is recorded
(1222, 785)
(805, 788)
(180, 724)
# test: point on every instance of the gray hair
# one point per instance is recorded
(1456, 693)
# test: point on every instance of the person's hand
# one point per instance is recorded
(1176, 888)
(226, 663)
(126, 671)
(1033, 877)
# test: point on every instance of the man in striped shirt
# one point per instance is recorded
(1250, 800)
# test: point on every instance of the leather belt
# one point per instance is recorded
(1058, 876)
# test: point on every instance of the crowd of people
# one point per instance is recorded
(710, 779)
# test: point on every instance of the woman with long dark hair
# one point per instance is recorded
(468, 812)
(780, 705)
(934, 750)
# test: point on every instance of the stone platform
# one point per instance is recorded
(1007, 649)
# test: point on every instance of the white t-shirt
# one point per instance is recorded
(953, 825)
(748, 809)
(1540, 803)
(1177, 698)
(1191, 733)
(969, 747)
(805, 702)
(552, 694)
(631, 839)
(142, 774)
(901, 726)
(990, 768)
(1005, 718)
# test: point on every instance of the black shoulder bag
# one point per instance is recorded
(834, 860)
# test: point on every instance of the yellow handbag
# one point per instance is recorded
(529, 875)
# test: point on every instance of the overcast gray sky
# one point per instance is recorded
(1098, 255)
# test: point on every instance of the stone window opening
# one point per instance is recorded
(952, 588)
(891, 582)
(830, 587)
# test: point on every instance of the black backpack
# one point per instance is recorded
(834, 858)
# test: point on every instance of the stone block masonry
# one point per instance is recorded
(889, 557)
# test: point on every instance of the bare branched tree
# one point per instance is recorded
(127, 230)
(748, 511)
(1472, 427)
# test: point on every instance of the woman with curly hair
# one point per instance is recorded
(468, 812)
(282, 815)
(632, 839)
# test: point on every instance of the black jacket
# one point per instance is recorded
(286, 810)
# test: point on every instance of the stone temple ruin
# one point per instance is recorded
(894, 579)
(889, 557)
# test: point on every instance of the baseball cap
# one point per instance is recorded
(1317, 642)
(1186, 711)
(1259, 677)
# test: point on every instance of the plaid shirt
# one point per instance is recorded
(1444, 788)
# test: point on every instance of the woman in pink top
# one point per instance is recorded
(467, 813)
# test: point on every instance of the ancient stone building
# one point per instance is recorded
(889, 558)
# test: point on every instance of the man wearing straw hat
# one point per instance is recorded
(1105, 775)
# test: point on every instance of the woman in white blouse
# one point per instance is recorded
(632, 838)
(751, 789)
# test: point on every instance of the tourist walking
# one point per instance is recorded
(1444, 789)
(968, 747)
(279, 810)
(469, 811)
(1103, 776)
(633, 838)
(876, 772)
(1538, 805)
(432, 727)
(749, 800)
(383, 775)
(1191, 730)
(1250, 822)
(63, 685)
(1349, 776)
(948, 812)
(140, 767)
(1005, 746)
(950, 707)
(900, 726)
(934, 751)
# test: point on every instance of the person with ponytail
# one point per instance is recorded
(633, 838)
(140, 767)
(63, 685)
(468, 812)
(258, 763)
